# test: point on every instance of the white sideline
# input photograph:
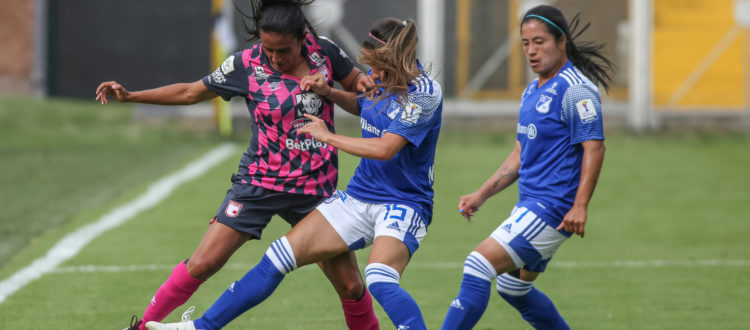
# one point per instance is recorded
(71, 244)
(443, 265)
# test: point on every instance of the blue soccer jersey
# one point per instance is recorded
(553, 121)
(407, 177)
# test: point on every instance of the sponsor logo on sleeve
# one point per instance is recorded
(411, 113)
(217, 77)
(317, 59)
(586, 110)
(228, 65)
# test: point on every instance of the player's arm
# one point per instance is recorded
(501, 179)
(591, 165)
(175, 94)
(379, 148)
(317, 84)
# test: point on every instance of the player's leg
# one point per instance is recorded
(243, 214)
(343, 272)
(398, 233)
(388, 259)
(218, 244)
(480, 268)
(312, 240)
(517, 288)
(531, 242)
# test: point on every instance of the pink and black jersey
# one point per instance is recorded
(277, 158)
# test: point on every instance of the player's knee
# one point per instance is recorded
(478, 266)
(280, 253)
(349, 288)
(203, 267)
(509, 286)
(376, 273)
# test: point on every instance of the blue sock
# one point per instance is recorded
(535, 307)
(382, 280)
(252, 289)
(473, 296)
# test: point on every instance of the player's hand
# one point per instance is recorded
(317, 128)
(111, 88)
(364, 83)
(468, 204)
(315, 83)
(575, 220)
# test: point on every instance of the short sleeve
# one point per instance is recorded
(229, 79)
(418, 117)
(582, 114)
(340, 62)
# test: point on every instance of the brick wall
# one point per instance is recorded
(16, 52)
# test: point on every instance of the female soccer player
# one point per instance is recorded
(388, 202)
(281, 172)
(557, 158)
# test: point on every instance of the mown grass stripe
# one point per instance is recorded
(71, 244)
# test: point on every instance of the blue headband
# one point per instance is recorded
(548, 21)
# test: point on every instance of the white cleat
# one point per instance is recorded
(185, 324)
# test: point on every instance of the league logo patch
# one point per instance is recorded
(586, 110)
(542, 106)
(233, 209)
(228, 65)
(411, 113)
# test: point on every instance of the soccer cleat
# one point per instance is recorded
(185, 324)
(134, 323)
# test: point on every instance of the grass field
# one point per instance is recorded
(665, 248)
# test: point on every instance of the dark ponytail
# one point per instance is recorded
(280, 16)
(585, 56)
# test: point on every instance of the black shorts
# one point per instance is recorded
(249, 208)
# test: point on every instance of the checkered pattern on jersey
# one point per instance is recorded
(277, 157)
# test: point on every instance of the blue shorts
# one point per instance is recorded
(249, 208)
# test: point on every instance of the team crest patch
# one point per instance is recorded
(542, 106)
(324, 71)
(233, 209)
(228, 65)
(260, 73)
(586, 110)
(393, 109)
(411, 113)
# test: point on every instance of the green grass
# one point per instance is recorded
(677, 197)
(61, 157)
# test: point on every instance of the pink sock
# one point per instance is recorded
(359, 314)
(174, 292)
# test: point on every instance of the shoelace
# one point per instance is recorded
(134, 322)
(189, 312)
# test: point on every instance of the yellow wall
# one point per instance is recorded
(685, 32)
